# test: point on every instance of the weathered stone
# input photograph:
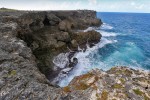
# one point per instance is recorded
(95, 85)
(74, 44)
(53, 20)
(89, 37)
(63, 36)
(19, 68)
(65, 25)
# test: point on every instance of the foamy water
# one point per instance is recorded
(125, 42)
(85, 62)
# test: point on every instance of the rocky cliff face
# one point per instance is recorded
(30, 40)
(48, 34)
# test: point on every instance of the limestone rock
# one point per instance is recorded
(87, 37)
(119, 83)
(74, 44)
(65, 25)
(63, 36)
(53, 20)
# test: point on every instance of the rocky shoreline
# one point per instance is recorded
(32, 45)
(50, 33)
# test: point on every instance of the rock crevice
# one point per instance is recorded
(51, 33)
(30, 40)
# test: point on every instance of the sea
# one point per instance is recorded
(125, 42)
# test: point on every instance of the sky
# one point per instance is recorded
(98, 5)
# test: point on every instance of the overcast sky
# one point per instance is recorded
(98, 5)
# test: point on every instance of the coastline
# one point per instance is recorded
(19, 65)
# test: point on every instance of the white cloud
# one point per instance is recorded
(98, 5)
(132, 3)
(140, 6)
(92, 2)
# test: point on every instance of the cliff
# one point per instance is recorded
(50, 33)
(29, 41)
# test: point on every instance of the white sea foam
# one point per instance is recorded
(106, 26)
(108, 34)
(85, 60)
(89, 29)
(61, 60)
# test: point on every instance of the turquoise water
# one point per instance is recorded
(125, 42)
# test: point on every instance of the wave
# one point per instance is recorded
(89, 29)
(106, 26)
(108, 34)
(61, 60)
(85, 62)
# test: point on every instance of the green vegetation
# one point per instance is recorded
(122, 80)
(138, 92)
(12, 73)
(117, 86)
(81, 86)
(104, 95)
(6, 9)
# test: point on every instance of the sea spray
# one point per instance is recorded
(84, 60)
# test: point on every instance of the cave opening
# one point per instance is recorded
(46, 21)
(35, 40)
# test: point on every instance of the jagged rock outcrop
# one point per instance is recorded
(118, 83)
(29, 41)
(54, 32)
(19, 75)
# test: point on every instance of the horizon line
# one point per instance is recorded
(76, 9)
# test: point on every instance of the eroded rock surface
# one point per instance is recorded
(19, 74)
(118, 83)
(27, 44)
(50, 33)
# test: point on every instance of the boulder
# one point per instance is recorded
(87, 37)
(60, 45)
(63, 36)
(74, 44)
(53, 20)
(66, 25)
(36, 25)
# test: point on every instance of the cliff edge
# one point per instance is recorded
(29, 41)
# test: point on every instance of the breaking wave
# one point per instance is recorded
(106, 26)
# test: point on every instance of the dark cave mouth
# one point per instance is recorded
(46, 21)
(40, 53)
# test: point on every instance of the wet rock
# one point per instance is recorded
(51, 33)
(89, 37)
(73, 62)
(61, 60)
(74, 44)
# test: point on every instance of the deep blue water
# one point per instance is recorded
(125, 42)
(133, 39)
